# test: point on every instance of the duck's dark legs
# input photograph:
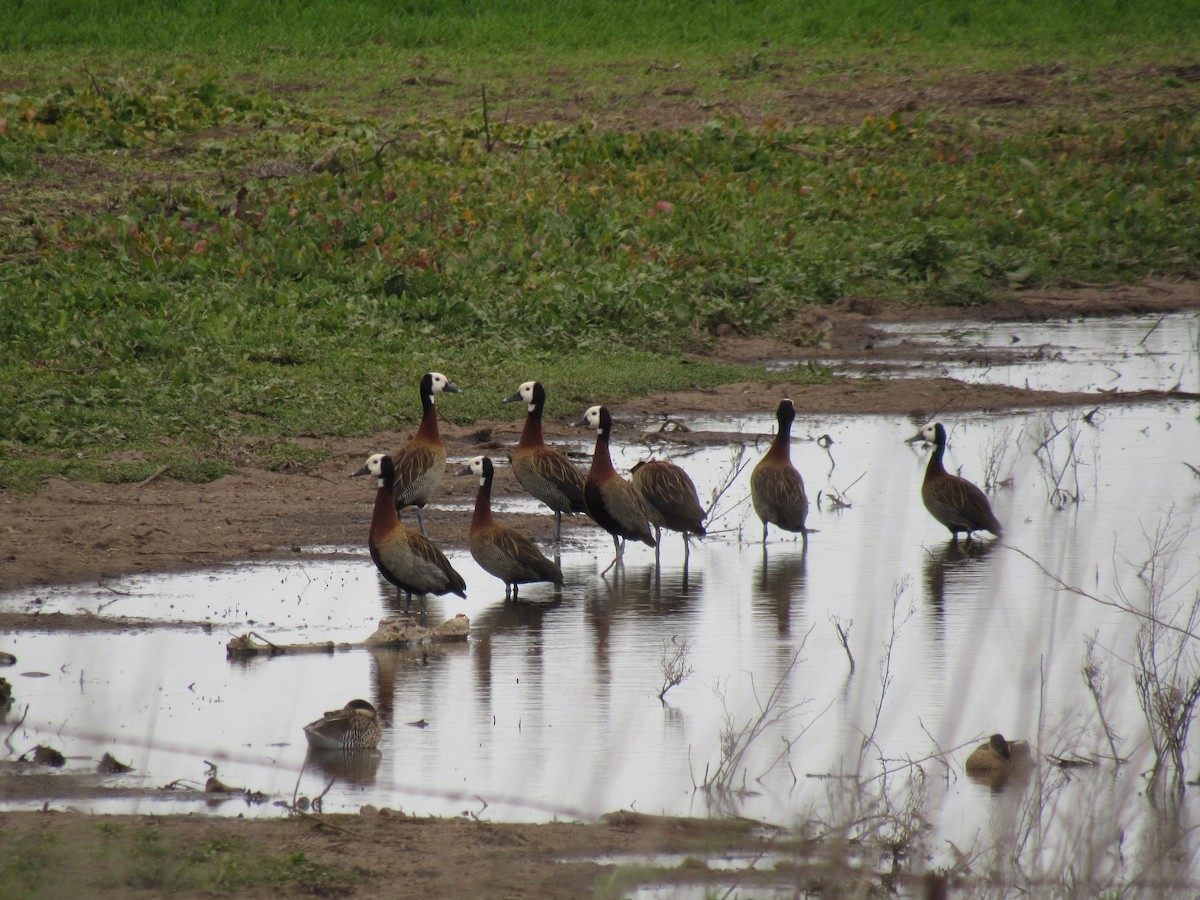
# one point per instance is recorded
(617, 558)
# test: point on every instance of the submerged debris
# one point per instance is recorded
(393, 631)
(215, 785)
(398, 632)
(245, 645)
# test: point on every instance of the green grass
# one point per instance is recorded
(201, 261)
(119, 858)
(609, 25)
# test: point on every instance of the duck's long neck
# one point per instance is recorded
(384, 517)
(781, 447)
(429, 421)
(601, 458)
(483, 506)
(531, 434)
(935, 467)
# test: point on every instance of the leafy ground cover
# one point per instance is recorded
(260, 245)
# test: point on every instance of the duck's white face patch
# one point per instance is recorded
(375, 466)
(439, 382)
(593, 417)
(526, 392)
(475, 464)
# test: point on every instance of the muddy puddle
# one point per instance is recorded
(551, 709)
(1124, 353)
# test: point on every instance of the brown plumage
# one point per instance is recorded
(953, 501)
(670, 497)
(776, 488)
(611, 500)
(500, 550)
(405, 557)
(997, 755)
(422, 461)
(541, 470)
(353, 727)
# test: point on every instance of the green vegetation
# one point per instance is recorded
(565, 26)
(119, 858)
(201, 261)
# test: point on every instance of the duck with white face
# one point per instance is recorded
(545, 473)
(502, 551)
(420, 464)
(612, 501)
(955, 502)
(405, 557)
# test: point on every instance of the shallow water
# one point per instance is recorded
(551, 709)
(1123, 353)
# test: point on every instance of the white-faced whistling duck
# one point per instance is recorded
(611, 500)
(353, 727)
(405, 557)
(997, 755)
(776, 488)
(500, 550)
(953, 501)
(541, 470)
(422, 461)
(670, 497)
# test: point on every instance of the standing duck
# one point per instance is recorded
(405, 557)
(670, 497)
(353, 727)
(543, 471)
(776, 488)
(419, 466)
(499, 550)
(611, 500)
(953, 501)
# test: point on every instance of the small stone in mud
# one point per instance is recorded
(48, 756)
(7, 659)
(110, 766)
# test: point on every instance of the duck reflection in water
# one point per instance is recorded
(781, 580)
(677, 587)
(349, 766)
(952, 566)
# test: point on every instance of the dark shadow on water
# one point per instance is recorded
(356, 767)
(780, 581)
(946, 568)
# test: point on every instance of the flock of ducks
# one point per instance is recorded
(658, 495)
